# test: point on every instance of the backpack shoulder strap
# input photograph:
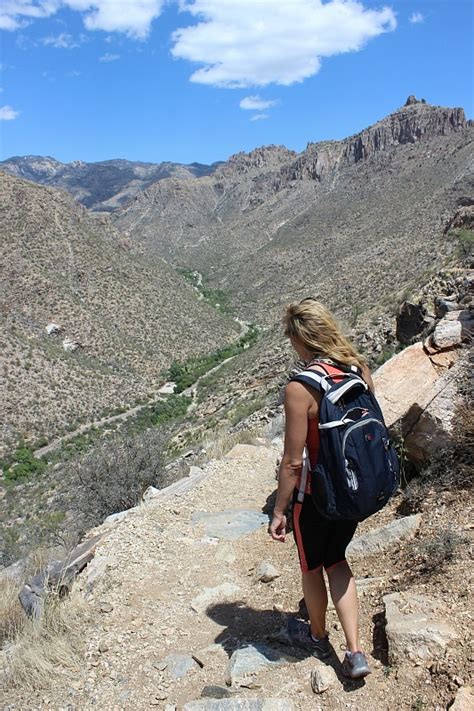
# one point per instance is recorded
(315, 380)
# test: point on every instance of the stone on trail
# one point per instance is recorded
(266, 572)
(416, 628)
(216, 692)
(247, 704)
(379, 539)
(464, 700)
(116, 517)
(151, 493)
(212, 595)
(246, 661)
(230, 524)
(178, 665)
(323, 677)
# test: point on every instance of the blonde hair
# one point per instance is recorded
(316, 329)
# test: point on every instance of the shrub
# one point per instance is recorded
(113, 476)
(465, 240)
(22, 464)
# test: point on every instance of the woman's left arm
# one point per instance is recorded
(297, 404)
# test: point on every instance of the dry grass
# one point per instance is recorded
(47, 650)
(218, 448)
(12, 617)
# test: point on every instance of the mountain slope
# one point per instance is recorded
(351, 221)
(130, 312)
(101, 186)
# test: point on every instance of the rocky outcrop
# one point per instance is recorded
(412, 123)
(412, 320)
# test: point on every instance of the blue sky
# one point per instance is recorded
(199, 80)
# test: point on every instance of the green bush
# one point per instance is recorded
(465, 239)
(22, 464)
(215, 297)
(185, 374)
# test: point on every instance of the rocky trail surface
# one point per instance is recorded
(188, 600)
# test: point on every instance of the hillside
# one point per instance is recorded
(123, 316)
(352, 221)
(102, 186)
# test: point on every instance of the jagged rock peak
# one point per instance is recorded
(415, 121)
(263, 157)
(413, 100)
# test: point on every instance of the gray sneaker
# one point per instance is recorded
(299, 634)
(354, 665)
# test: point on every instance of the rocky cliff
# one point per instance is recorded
(342, 215)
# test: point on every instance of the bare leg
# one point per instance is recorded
(344, 596)
(316, 599)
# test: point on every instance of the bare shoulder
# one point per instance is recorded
(295, 391)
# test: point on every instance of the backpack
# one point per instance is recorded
(357, 469)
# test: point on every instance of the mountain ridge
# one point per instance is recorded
(100, 185)
(275, 215)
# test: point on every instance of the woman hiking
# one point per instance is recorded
(321, 542)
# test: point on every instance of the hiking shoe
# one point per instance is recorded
(300, 635)
(355, 666)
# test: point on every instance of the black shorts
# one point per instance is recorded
(320, 542)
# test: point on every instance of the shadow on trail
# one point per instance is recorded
(265, 629)
(379, 639)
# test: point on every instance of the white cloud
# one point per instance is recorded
(61, 41)
(8, 113)
(244, 43)
(108, 57)
(132, 17)
(259, 117)
(416, 18)
(18, 13)
(256, 103)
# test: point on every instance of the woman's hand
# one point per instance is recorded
(277, 528)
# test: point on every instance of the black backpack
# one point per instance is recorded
(357, 470)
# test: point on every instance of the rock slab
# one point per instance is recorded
(213, 595)
(246, 661)
(178, 665)
(379, 539)
(270, 704)
(416, 628)
(230, 524)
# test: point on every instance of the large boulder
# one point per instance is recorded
(410, 322)
(417, 394)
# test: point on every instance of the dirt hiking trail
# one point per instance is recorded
(177, 608)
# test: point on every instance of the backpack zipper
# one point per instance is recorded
(351, 475)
